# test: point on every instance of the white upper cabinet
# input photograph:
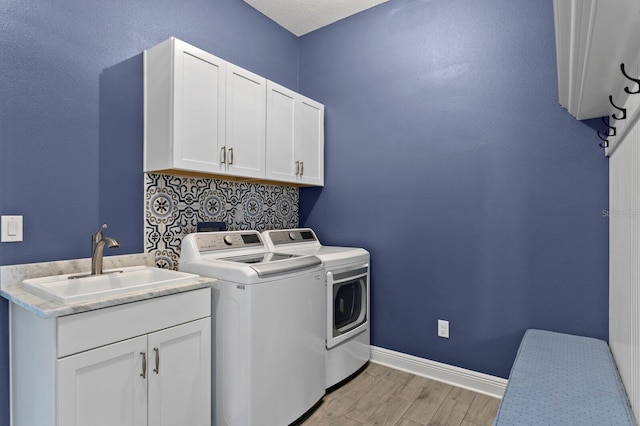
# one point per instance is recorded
(295, 137)
(184, 108)
(205, 116)
(593, 37)
(246, 105)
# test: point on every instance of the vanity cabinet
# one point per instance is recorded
(142, 363)
(202, 114)
(295, 137)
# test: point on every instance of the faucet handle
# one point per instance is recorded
(97, 237)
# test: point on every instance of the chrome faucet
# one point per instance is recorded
(98, 241)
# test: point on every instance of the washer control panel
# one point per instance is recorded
(208, 241)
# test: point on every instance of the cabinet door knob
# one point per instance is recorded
(157, 369)
(144, 365)
(301, 168)
(223, 155)
(231, 156)
(297, 168)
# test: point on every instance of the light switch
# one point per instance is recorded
(11, 229)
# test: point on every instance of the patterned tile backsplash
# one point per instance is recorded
(175, 204)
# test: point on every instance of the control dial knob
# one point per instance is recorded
(228, 240)
(292, 235)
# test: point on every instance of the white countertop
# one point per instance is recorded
(11, 277)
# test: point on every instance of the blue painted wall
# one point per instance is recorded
(71, 114)
(449, 158)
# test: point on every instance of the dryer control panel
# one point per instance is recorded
(291, 236)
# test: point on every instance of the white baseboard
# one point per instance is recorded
(456, 376)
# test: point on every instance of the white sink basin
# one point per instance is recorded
(67, 289)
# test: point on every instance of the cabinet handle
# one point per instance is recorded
(230, 156)
(144, 365)
(157, 369)
(297, 168)
(223, 155)
(301, 168)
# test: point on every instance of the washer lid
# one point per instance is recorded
(280, 267)
(259, 257)
(270, 263)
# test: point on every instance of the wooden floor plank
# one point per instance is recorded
(413, 388)
(425, 406)
(367, 405)
(360, 385)
(407, 422)
(330, 409)
(454, 408)
(399, 376)
(483, 410)
(377, 370)
(344, 421)
(390, 412)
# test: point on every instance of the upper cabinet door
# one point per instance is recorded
(282, 133)
(199, 109)
(184, 108)
(246, 122)
(312, 142)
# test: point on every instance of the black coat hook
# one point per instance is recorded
(606, 141)
(635, 80)
(623, 110)
(609, 128)
(603, 137)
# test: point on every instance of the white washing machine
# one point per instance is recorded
(268, 352)
(347, 298)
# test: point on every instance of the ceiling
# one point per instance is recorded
(303, 16)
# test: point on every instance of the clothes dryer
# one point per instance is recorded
(346, 271)
(268, 355)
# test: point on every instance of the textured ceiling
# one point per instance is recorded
(303, 16)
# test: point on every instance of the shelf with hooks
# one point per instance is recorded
(627, 114)
(592, 38)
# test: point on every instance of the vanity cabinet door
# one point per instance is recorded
(104, 386)
(180, 375)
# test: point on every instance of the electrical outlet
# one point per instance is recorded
(443, 328)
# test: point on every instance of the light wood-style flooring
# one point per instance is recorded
(379, 395)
